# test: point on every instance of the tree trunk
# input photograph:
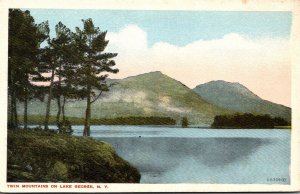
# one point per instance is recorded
(49, 101)
(86, 131)
(15, 113)
(13, 123)
(58, 98)
(58, 110)
(25, 108)
(10, 111)
(10, 106)
(63, 108)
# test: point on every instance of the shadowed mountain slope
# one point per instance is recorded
(149, 94)
(236, 97)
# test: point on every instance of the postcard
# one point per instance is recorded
(150, 96)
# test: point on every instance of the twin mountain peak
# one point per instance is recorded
(156, 94)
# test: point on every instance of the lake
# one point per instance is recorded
(194, 155)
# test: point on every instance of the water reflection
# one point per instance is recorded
(191, 155)
(163, 160)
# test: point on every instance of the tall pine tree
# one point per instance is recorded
(55, 62)
(93, 65)
(24, 42)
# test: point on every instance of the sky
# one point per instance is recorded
(195, 47)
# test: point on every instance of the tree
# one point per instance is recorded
(24, 42)
(61, 45)
(56, 59)
(49, 67)
(92, 65)
(184, 122)
(278, 121)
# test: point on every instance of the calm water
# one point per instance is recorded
(191, 155)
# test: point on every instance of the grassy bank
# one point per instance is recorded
(38, 156)
(39, 120)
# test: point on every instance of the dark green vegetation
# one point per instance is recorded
(39, 156)
(238, 98)
(90, 62)
(24, 40)
(72, 66)
(38, 120)
(184, 122)
(247, 120)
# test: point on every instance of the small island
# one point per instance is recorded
(248, 120)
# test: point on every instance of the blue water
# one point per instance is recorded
(192, 155)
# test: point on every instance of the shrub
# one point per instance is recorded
(184, 122)
(59, 171)
(65, 127)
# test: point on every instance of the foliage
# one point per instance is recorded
(184, 122)
(246, 120)
(40, 129)
(38, 120)
(25, 37)
(65, 127)
(59, 171)
(58, 62)
(136, 121)
(92, 65)
(278, 121)
(39, 156)
(75, 61)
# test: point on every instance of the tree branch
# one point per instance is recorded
(96, 98)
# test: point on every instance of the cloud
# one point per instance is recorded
(131, 40)
(261, 64)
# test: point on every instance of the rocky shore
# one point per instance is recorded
(38, 156)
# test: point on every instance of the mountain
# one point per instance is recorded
(149, 94)
(236, 97)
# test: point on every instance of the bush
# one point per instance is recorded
(65, 127)
(59, 171)
(184, 122)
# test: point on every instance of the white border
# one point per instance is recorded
(221, 5)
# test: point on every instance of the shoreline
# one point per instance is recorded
(168, 126)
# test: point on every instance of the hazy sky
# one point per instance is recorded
(195, 47)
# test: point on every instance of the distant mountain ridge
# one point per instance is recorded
(236, 97)
(156, 94)
(149, 94)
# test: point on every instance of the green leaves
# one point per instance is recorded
(25, 38)
(99, 43)
(75, 62)
(89, 28)
(90, 43)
